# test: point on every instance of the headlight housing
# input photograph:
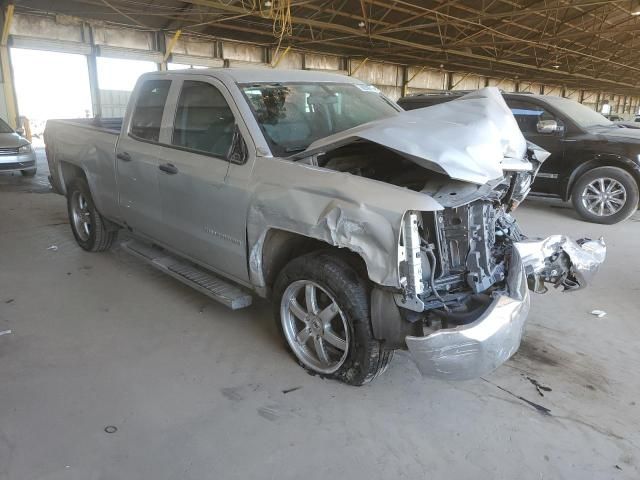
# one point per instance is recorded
(25, 148)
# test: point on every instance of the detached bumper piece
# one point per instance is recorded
(476, 349)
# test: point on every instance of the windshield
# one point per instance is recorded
(583, 116)
(4, 128)
(294, 115)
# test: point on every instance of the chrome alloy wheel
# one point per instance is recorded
(604, 197)
(80, 215)
(314, 326)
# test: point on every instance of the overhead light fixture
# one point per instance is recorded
(635, 7)
(362, 24)
(267, 3)
(556, 66)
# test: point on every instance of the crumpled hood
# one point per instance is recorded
(473, 138)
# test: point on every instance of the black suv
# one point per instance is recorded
(593, 162)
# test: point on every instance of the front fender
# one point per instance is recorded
(337, 208)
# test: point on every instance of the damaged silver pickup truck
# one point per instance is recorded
(371, 229)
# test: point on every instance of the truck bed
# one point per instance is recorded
(112, 125)
(87, 144)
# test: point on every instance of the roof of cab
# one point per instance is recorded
(266, 75)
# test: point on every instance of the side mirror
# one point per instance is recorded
(548, 126)
(20, 131)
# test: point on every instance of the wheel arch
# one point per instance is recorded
(278, 247)
(602, 161)
(68, 173)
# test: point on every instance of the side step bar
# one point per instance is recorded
(196, 277)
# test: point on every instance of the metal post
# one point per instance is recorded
(5, 61)
(408, 79)
(355, 70)
(169, 48)
(92, 69)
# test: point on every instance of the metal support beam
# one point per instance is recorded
(462, 79)
(92, 69)
(171, 46)
(405, 85)
(7, 77)
(8, 18)
(354, 71)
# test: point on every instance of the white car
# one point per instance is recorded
(16, 153)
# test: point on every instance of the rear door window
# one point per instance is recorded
(204, 122)
(147, 116)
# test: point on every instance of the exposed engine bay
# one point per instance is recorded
(464, 267)
(454, 262)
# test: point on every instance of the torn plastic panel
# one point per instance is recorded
(561, 261)
(476, 349)
(473, 138)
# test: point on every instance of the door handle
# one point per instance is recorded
(124, 156)
(169, 168)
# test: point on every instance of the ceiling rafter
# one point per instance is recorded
(578, 43)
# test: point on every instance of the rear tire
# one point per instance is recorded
(91, 230)
(605, 195)
(29, 173)
(340, 291)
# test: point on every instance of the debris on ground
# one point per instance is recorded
(598, 313)
(289, 390)
(5, 332)
(539, 387)
(53, 248)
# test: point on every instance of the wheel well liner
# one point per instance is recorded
(281, 246)
(70, 172)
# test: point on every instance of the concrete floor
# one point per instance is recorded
(199, 392)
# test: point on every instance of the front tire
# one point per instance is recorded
(322, 310)
(90, 229)
(605, 195)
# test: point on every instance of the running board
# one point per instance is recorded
(189, 274)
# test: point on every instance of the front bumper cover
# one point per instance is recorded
(474, 350)
(13, 163)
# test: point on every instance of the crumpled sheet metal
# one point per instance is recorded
(539, 153)
(472, 138)
(340, 209)
(474, 350)
(586, 255)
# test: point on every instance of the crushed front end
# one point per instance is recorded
(466, 272)
(460, 298)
